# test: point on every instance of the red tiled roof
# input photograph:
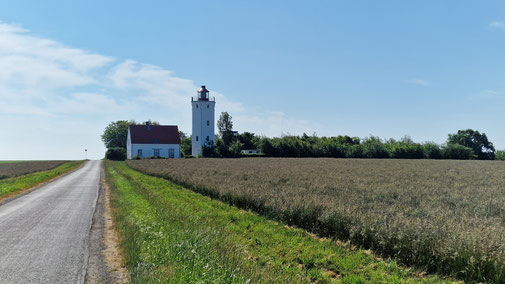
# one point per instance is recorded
(154, 134)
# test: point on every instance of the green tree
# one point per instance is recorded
(236, 148)
(478, 142)
(186, 145)
(458, 152)
(182, 134)
(431, 150)
(116, 133)
(225, 128)
(116, 154)
(248, 140)
(500, 155)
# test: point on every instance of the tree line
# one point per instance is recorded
(464, 145)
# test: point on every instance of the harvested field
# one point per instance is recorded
(13, 169)
(446, 217)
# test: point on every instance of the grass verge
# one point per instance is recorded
(172, 234)
(12, 186)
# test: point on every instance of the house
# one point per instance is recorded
(148, 140)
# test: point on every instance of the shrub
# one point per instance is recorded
(354, 151)
(116, 154)
(209, 151)
(266, 147)
(458, 152)
(401, 150)
(500, 155)
(235, 149)
(374, 148)
(432, 151)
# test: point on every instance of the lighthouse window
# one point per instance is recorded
(207, 106)
(196, 138)
(196, 106)
(208, 123)
(207, 138)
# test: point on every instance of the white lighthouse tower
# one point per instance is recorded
(203, 121)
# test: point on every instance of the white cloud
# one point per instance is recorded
(272, 124)
(86, 103)
(154, 84)
(27, 60)
(486, 95)
(497, 25)
(56, 99)
(419, 82)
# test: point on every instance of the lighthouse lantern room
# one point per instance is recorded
(203, 121)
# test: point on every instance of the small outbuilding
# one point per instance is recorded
(146, 141)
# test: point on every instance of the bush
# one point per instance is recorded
(209, 151)
(235, 149)
(458, 152)
(400, 150)
(432, 151)
(500, 155)
(374, 148)
(266, 147)
(116, 154)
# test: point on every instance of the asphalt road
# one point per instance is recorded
(44, 234)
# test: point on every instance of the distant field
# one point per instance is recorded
(445, 216)
(16, 168)
(12, 186)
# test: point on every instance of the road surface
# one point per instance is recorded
(44, 234)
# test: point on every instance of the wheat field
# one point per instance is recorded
(444, 216)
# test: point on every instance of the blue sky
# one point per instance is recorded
(386, 68)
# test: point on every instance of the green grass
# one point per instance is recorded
(444, 217)
(173, 235)
(14, 184)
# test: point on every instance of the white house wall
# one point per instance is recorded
(129, 146)
(148, 150)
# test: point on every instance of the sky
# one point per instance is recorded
(359, 68)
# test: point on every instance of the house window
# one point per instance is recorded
(171, 153)
(155, 140)
(208, 123)
(196, 138)
(207, 138)
(156, 152)
(196, 106)
(207, 106)
(139, 152)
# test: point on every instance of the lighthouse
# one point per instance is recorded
(203, 121)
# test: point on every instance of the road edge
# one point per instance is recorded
(96, 269)
(105, 259)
